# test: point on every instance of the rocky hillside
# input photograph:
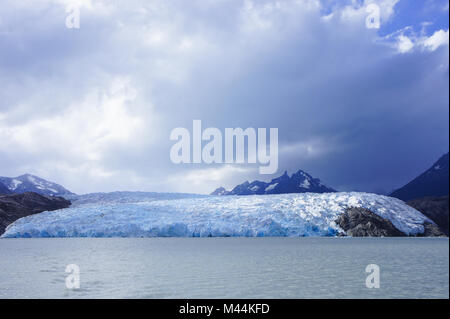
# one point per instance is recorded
(435, 208)
(361, 222)
(13, 207)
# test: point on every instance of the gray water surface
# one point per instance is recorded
(225, 267)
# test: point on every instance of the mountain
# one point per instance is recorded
(300, 182)
(13, 207)
(220, 191)
(433, 182)
(4, 189)
(31, 183)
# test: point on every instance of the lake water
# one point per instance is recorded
(225, 267)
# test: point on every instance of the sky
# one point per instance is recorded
(92, 108)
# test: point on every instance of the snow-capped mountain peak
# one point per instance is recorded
(31, 183)
(299, 182)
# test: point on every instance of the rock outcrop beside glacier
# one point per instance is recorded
(435, 208)
(361, 222)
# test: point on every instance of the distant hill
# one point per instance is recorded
(300, 182)
(30, 183)
(433, 182)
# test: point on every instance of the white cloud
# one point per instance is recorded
(404, 44)
(84, 128)
(205, 180)
(81, 136)
(436, 40)
(406, 40)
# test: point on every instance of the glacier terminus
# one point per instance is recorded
(127, 214)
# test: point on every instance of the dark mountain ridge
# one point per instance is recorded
(433, 182)
(299, 182)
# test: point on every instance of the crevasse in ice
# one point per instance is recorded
(152, 215)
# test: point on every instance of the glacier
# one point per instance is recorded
(126, 214)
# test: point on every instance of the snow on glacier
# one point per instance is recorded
(128, 215)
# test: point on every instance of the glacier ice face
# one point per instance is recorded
(151, 215)
(125, 197)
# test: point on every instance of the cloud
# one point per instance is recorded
(404, 44)
(206, 180)
(93, 108)
(85, 127)
(439, 38)
(79, 138)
